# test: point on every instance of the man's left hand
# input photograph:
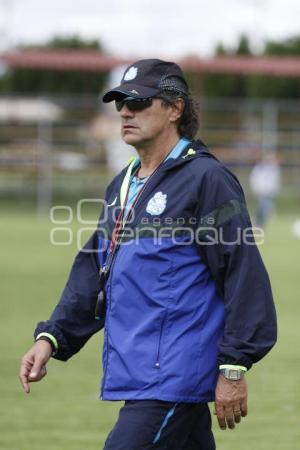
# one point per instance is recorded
(230, 401)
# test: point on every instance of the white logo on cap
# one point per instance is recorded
(131, 73)
(157, 204)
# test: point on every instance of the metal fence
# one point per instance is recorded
(67, 156)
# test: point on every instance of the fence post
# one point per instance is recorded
(44, 166)
(270, 126)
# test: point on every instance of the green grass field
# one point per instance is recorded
(63, 411)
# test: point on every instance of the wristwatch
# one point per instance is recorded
(233, 374)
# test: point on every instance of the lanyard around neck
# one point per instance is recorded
(126, 183)
(118, 233)
(119, 228)
(120, 225)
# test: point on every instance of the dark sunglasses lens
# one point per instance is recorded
(119, 105)
(135, 104)
(139, 104)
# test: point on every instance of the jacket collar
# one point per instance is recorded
(193, 149)
(196, 149)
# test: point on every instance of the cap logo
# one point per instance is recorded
(131, 73)
(133, 91)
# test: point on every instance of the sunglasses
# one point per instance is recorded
(134, 104)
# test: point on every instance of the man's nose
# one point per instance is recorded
(125, 112)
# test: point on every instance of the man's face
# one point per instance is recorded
(144, 126)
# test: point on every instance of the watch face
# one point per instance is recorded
(234, 374)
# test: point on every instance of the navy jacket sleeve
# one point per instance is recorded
(229, 249)
(73, 321)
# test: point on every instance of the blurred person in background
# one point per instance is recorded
(265, 183)
(184, 319)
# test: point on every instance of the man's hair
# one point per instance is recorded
(188, 124)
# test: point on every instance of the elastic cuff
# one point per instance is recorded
(232, 366)
(50, 337)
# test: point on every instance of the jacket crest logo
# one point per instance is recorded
(157, 204)
(130, 74)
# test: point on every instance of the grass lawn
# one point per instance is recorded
(63, 411)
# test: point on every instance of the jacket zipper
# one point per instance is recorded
(107, 348)
(106, 321)
(157, 362)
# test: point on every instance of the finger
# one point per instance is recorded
(36, 372)
(220, 413)
(24, 382)
(37, 377)
(237, 414)
(23, 376)
(229, 417)
(244, 408)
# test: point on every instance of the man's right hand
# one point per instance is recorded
(33, 364)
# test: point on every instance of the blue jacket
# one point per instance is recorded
(187, 290)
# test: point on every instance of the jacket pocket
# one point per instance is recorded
(159, 344)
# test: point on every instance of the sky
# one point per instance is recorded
(128, 28)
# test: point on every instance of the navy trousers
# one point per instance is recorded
(155, 424)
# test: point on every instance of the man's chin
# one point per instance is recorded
(130, 139)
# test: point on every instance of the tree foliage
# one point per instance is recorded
(212, 85)
(224, 85)
(56, 81)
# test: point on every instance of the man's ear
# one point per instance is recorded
(177, 110)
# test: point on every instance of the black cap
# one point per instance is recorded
(147, 78)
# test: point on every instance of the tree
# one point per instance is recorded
(277, 87)
(56, 81)
(224, 85)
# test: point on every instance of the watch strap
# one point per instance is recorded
(233, 367)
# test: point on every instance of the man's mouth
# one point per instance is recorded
(128, 127)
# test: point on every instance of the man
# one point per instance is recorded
(265, 181)
(183, 294)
